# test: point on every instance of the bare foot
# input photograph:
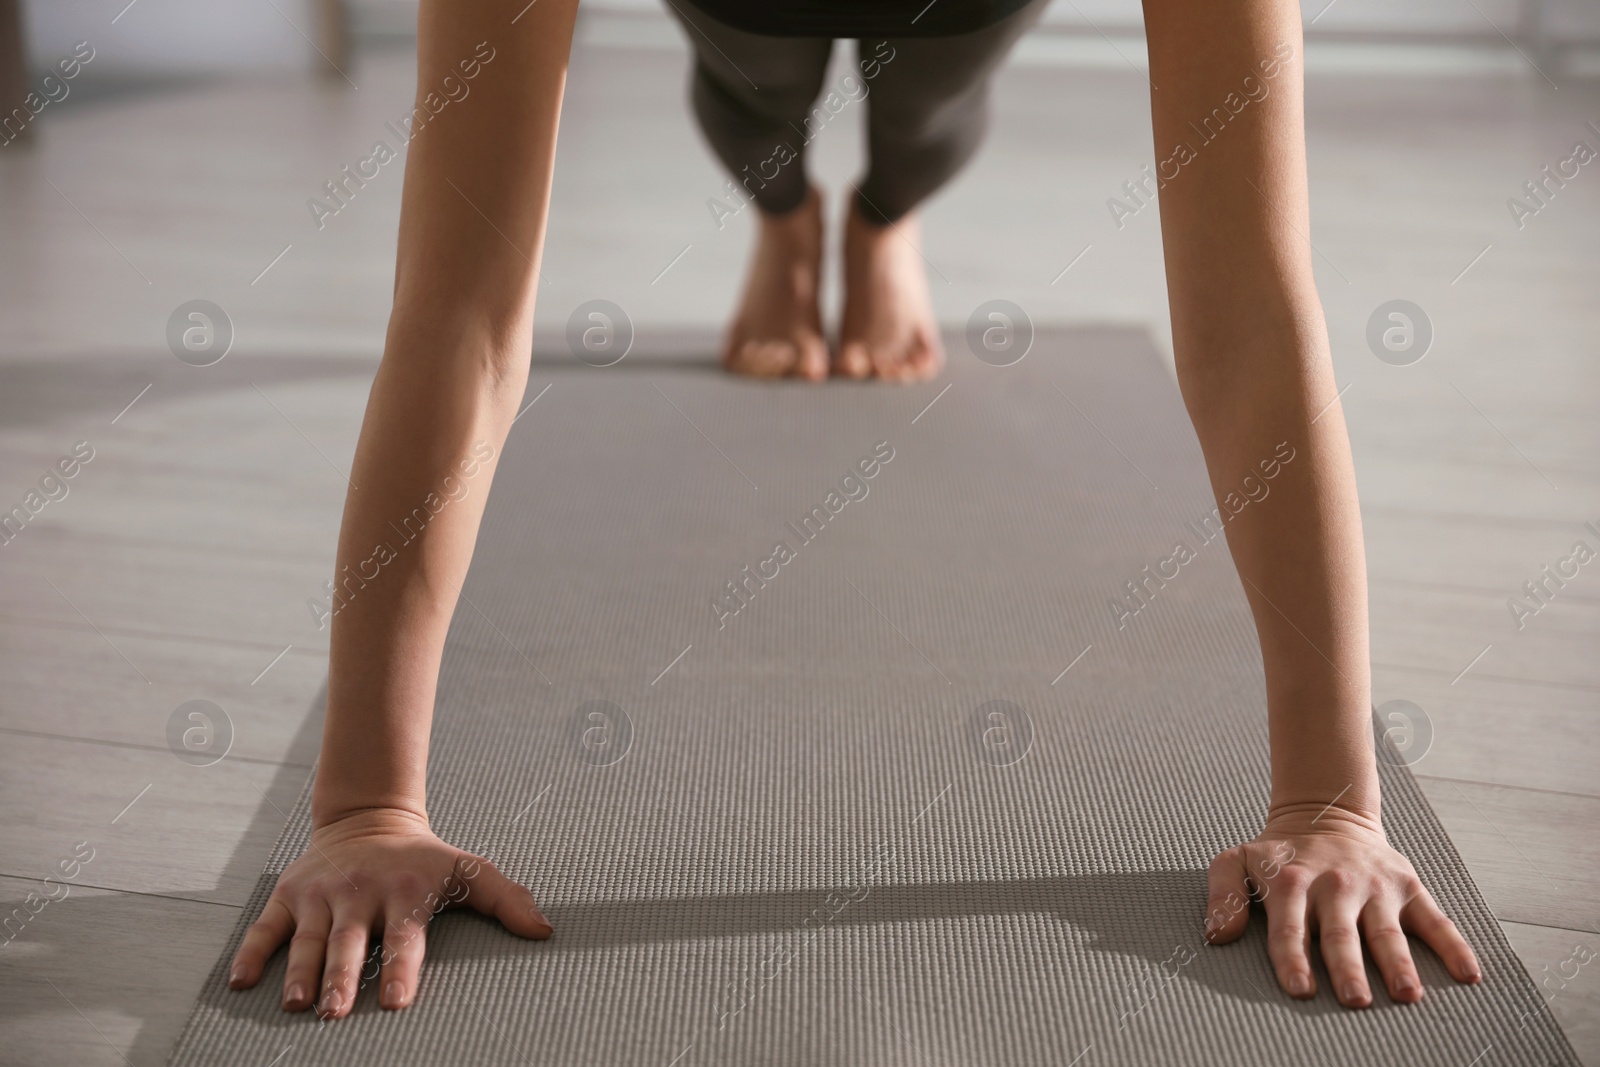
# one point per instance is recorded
(777, 332)
(889, 329)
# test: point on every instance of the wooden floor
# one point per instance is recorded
(179, 563)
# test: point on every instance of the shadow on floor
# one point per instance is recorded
(140, 939)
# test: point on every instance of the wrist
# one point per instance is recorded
(330, 805)
(369, 823)
(1305, 814)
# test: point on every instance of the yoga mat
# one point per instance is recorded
(934, 794)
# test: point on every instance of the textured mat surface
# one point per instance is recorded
(798, 834)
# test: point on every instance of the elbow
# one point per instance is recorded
(461, 351)
(1241, 371)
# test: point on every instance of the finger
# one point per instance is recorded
(404, 945)
(480, 885)
(306, 951)
(1380, 922)
(271, 929)
(1422, 917)
(347, 950)
(1337, 903)
(1227, 897)
(1288, 939)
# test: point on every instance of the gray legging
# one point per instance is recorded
(926, 97)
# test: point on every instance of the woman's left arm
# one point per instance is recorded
(1255, 370)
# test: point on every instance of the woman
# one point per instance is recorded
(1252, 359)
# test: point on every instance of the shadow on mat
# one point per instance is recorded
(1151, 916)
(1142, 917)
(1129, 915)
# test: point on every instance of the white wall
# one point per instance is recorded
(178, 37)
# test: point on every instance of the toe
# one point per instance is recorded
(927, 359)
(732, 344)
(813, 362)
(853, 361)
(763, 359)
(891, 363)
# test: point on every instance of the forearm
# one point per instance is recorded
(473, 214)
(1296, 542)
(1254, 365)
(427, 453)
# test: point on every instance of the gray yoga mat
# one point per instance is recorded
(799, 834)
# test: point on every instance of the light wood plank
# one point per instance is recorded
(1569, 987)
(1444, 630)
(157, 824)
(1534, 855)
(1502, 487)
(61, 683)
(101, 978)
(157, 590)
(1501, 733)
(230, 468)
(1478, 553)
(1459, 408)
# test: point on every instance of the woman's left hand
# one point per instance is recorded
(1333, 875)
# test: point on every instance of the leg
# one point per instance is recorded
(757, 133)
(927, 113)
(929, 110)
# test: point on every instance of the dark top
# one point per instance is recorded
(860, 18)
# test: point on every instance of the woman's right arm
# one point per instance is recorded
(472, 224)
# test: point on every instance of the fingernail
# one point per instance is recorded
(295, 994)
(330, 1003)
(1300, 985)
(539, 916)
(236, 976)
(393, 995)
(1353, 994)
(1405, 984)
(1211, 926)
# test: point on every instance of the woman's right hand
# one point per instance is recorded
(376, 871)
